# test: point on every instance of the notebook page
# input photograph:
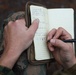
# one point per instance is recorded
(62, 17)
(41, 51)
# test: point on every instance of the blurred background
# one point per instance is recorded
(9, 6)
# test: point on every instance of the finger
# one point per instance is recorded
(9, 23)
(20, 22)
(50, 46)
(32, 29)
(58, 43)
(62, 33)
(26, 28)
(51, 34)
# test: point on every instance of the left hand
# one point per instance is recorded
(17, 38)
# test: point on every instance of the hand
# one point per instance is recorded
(17, 38)
(62, 52)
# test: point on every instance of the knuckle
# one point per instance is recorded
(9, 23)
(56, 41)
(17, 21)
(5, 27)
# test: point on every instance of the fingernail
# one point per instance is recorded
(37, 20)
(52, 41)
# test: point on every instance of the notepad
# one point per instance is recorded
(49, 19)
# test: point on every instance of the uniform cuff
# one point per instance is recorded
(6, 71)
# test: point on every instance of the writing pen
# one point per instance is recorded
(67, 41)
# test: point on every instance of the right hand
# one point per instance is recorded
(62, 52)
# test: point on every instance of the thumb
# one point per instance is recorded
(58, 43)
(32, 29)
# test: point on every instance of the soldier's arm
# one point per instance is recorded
(70, 71)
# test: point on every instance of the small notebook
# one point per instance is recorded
(49, 19)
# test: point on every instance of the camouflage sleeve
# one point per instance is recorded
(6, 71)
(70, 71)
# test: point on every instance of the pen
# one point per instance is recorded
(67, 41)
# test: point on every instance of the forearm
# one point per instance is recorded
(9, 58)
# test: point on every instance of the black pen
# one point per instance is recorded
(67, 41)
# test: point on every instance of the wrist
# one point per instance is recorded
(9, 58)
(69, 64)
